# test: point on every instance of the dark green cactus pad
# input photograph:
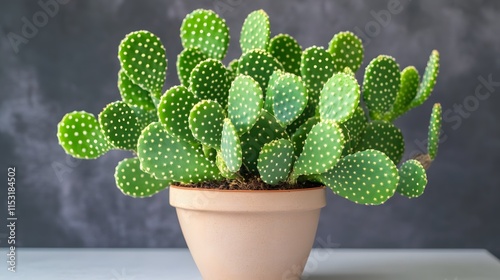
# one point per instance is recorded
(385, 137)
(381, 85)
(410, 80)
(145, 117)
(245, 103)
(221, 165)
(255, 32)
(133, 94)
(265, 130)
(142, 58)
(259, 65)
(120, 125)
(412, 179)
(211, 80)
(168, 158)
(339, 98)
(300, 135)
(368, 177)
(289, 98)
(134, 182)
(231, 147)
(352, 129)
(428, 80)
(80, 136)
(187, 61)
(268, 102)
(205, 121)
(287, 51)
(173, 112)
(347, 51)
(321, 151)
(275, 161)
(434, 131)
(206, 30)
(210, 153)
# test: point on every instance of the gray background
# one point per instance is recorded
(70, 64)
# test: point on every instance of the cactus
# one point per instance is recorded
(277, 115)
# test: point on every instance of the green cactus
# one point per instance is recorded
(276, 116)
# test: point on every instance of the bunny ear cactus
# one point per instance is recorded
(277, 115)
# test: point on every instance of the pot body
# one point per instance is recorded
(249, 235)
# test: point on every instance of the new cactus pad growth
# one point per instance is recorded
(279, 115)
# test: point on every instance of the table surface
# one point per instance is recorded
(323, 264)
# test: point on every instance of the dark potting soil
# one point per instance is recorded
(253, 183)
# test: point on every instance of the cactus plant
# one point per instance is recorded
(278, 115)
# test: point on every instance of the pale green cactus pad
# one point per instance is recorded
(339, 98)
(206, 121)
(142, 58)
(381, 85)
(80, 136)
(385, 137)
(428, 80)
(120, 125)
(321, 151)
(255, 32)
(134, 182)
(289, 98)
(210, 80)
(300, 135)
(412, 179)
(206, 30)
(221, 165)
(347, 51)
(275, 161)
(187, 61)
(231, 147)
(245, 103)
(269, 100)
(173, 112)
(133, 94)
(410, 80)
(376, 185)
(168, 158)
(353, 129)
(287, 51)
(259, 65)
(434, 131)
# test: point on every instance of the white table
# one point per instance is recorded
(323, 264)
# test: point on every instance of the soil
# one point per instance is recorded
(253, 183)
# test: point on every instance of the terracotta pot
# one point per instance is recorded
(249, 235)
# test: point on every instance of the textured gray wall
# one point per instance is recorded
(70, 64)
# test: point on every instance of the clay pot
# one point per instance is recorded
(249, 235)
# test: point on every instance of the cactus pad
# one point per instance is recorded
(133, 94)
(120, 125)
(206, 30)
(231, 147)
(368, 177)
(187, 61)
(412, 179)
(210, 153)
(300, 135)
(269, 100)
(287, 51)
(255, 32)
(275, 161)
(142, 57)
(289, 98)
(428, 80)
(339, 98)
(210, 80)
(410, 80)
(385, 137)
(80, 136)
(259, 65)
(145, 117)
(347, 51)
(352, 129)
(206, 121)
(434, 131)
(245, 103)
(221, 165)
(134, 182)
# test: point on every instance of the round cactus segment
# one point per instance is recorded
(168, 158)
(133, 94)
(410, 80)
(210, 80)
(412, 179)
(428, 80)
(187, 61)
(368, 177)
(434, 131)
(120, 125)
(206, 30)
(287, 51)
(322, 149)
(381, 85)
(245, 103)
(142, 58)
(289, 98)
(265, 130)
(205, 121)
(134, 182)
(275, 161)
(80, 136)
(259, 65)
(339, 98)
(347, 51)
(300, 135)
(224, 171)
(352, 129)
(255, 32)
(385, 137)
(173, 112)
(231, 147)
